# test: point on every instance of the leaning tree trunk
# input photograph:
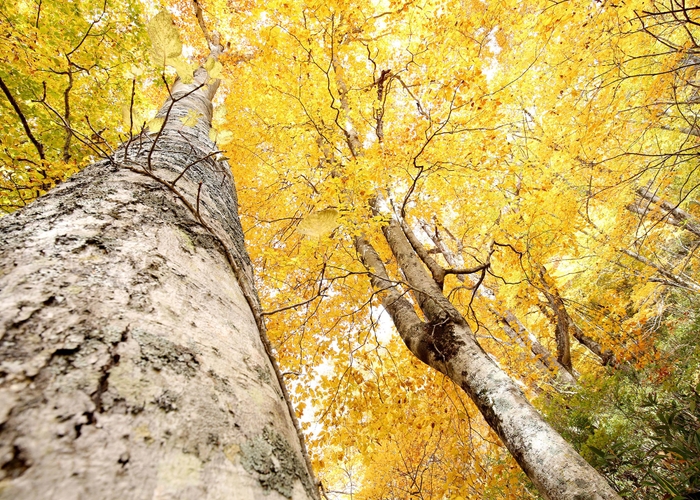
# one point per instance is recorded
(131, 364)
(446, 343)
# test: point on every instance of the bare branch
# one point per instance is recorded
(39, 146)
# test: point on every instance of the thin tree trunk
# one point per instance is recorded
(644, 209)
(565, 325)
(607, 358)
(511, 325)
(542, 354)
(678, 280)
(563, 320)
(131, 360)
(678, 216)
(445, 342)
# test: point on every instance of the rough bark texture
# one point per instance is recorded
(131, 366)
(446, 343)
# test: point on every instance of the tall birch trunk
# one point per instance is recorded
(131, 361)
(445, 342)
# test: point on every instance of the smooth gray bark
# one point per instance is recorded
(446, 343)
(131, 364)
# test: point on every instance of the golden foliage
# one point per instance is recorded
(519, 132)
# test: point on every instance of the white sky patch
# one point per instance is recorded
(385, 326)
(188, 51)
(492, 44)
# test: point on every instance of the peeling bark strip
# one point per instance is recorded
(446, 343)
(130, 357)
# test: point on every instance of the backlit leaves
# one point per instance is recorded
(40, 46)
(213, 67)
(155, 125)
(319, 224)
(165, 38)
(166, 46)
(191, 118)
(480, 122)
(497, 125)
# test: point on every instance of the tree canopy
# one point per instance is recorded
(547, 150)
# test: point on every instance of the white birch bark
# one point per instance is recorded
(446, 343)
(131, 364)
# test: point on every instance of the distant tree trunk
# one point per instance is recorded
(445, 342)
(563, 321)
(672, 214)
(131, 364)
(565, 325)
(517, 331)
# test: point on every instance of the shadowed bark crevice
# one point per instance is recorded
(16, 466)
(103, 382)
(444, 341)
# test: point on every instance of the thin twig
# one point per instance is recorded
(131, 118)
(39, 146)
(199, 191)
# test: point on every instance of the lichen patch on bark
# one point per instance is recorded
(273, 460)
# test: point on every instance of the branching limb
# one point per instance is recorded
(678, 280)
(39, 146)
(437, 271)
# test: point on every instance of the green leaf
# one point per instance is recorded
(664, 484)
(134, 121)
(213, 67)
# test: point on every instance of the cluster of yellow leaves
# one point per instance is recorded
(497, 124)
(61, 63)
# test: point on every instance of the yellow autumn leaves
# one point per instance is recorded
(319, 224)
(166, 47)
